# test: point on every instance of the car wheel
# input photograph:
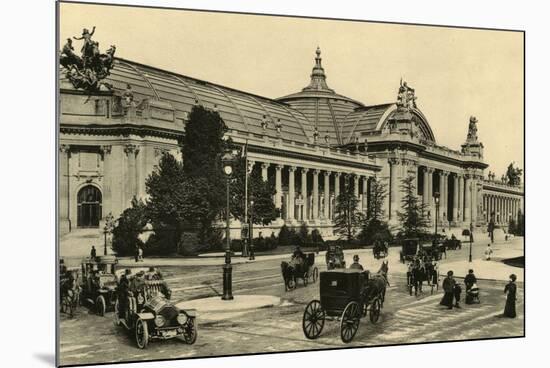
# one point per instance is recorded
(142, 334)
(100, 306)
(190, 332)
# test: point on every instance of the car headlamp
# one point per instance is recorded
(182, 318)
(160, 321)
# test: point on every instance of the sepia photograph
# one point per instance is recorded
(239, 183)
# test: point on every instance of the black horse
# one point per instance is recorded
(420, 271)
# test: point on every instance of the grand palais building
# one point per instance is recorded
(306, 143)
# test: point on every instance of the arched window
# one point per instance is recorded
(89, 207)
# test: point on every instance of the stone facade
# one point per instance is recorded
(308, 144)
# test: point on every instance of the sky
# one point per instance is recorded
(456, 73)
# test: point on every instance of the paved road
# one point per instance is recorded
(90, 339)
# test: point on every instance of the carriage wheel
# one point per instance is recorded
(350, 321)
(313, 320)
(305, 278)
(315, 275)
(100, 306)
(116, 319)
(142, 334)
(375, 311)
(190, 332)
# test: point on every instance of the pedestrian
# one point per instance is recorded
(456, 291)
(93, 253)
(470, 280)
(510, 290)
(136, 254)
(488, 252)
(356, 265)
(448, 287)
(140, 254)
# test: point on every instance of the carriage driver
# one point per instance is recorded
(356, 265)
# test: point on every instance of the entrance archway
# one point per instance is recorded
(89, 207)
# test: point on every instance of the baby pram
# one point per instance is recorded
(472, 295)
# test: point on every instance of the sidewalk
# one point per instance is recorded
(215, 309)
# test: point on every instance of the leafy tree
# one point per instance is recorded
(347, 218)
(512, 226)
(374, 227)
(303, 234)
(176, 201)
(264, 210)
(513, 175)
(128, 228)
(413, 221)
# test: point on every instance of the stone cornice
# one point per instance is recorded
(121, 129)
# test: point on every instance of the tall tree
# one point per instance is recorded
(374, 227)
(412, 217)
(262, 192)
(347, 218)
(176, 201)
(128, 227)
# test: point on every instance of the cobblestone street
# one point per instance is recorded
(88, 338)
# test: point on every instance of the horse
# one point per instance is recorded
(376, 285)
(289, 271)
(420, 272)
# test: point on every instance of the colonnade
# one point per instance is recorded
(501, 207)
(309, 194)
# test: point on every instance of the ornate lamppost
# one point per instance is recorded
(251, 231)
(228, 160)
(436, 199)
(107, 229)
(471, 221)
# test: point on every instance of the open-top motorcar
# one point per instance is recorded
(99, 283)
(145, 309)
(335, 257)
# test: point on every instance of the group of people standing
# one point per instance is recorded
(452, 291)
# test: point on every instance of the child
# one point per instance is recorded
(488, 252)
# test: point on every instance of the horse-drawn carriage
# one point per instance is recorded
(143, 307)
(99, 283)
(452, 244)
(299, 267)
(346, 296)
(380, 250)
(409, 248)
(420, 270)
(335, 257)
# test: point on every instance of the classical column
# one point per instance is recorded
(130, 187)
(474, 199)
(315, 206)
(455, 197)
(327, 195)
(365, 193)
(467, 197)
(64, 195)
(265, 166)
(291, 189)
(394, 188)
(304, 194)
(278, 186)
(460, 198)
(446, 196)
(336, 189)
(426, 188)
(441, 197)
(107, 180)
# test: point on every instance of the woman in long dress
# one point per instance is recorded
(448, 287)
(510, 290)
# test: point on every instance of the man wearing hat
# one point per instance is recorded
(356, 265)
(449, 289)
(122, 289)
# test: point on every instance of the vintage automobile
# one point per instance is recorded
(307, 271)
(380, 250)
(346, 296)
(409, 248)
(99, 283)
(149, 314)
(335, 257)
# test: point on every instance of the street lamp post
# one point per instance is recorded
(251, 232)
(471, 221)
(227, 163)
(436, 199)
